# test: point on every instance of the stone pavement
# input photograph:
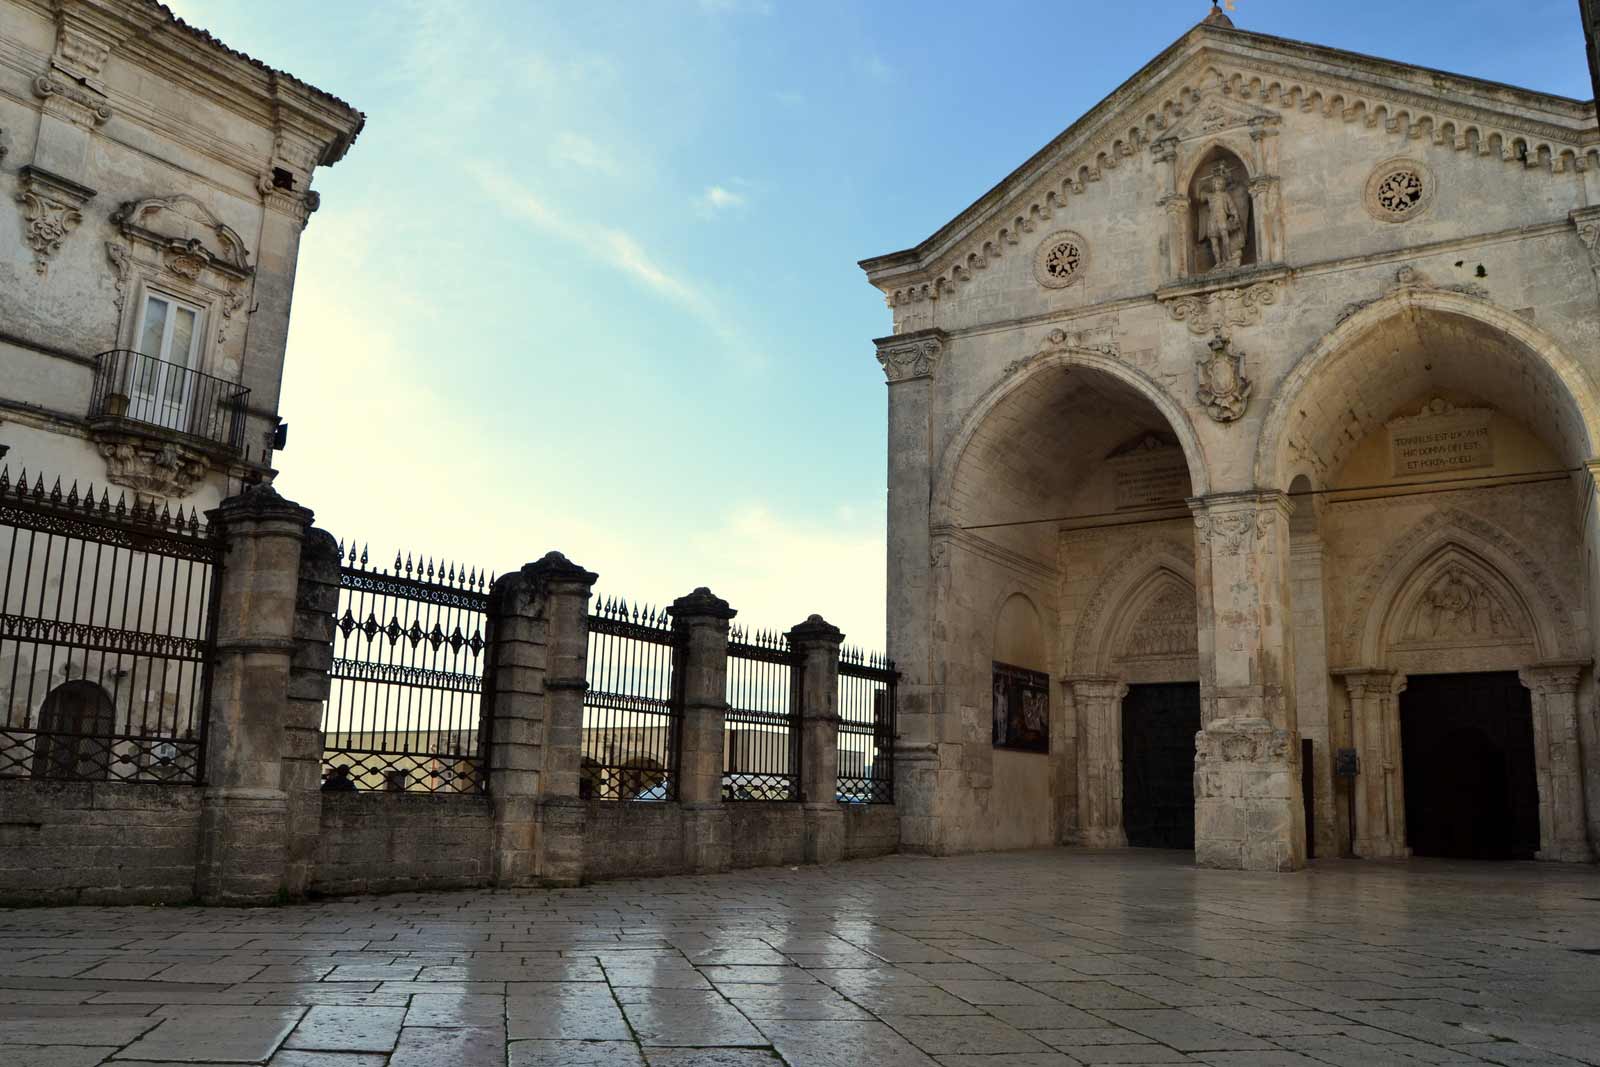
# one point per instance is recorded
(1030, 959)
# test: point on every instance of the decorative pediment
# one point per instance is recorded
(190, 236)
(1455, 598)
(1219, 89)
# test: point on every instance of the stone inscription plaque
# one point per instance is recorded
(1442, 438)
(1150, 475)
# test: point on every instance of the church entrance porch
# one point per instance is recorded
(1468, 750)
(1158, 727)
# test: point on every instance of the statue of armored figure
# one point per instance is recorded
(1224, 216)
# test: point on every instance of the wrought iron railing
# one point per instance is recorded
(866, 727)
(761, 738)
(106, 636)
(404, 707)
(139, 388)
(632, 709)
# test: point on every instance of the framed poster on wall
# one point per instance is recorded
(1021, 709)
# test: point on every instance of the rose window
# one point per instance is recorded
(1399, 190)
(1061, 259)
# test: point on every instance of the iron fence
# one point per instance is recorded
(106, 636)
(761, 738)
(632, 709)
(139, 388)
(404, 708)
(866, 727)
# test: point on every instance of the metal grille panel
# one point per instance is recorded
(761, 738)
(632, 709)
(866, 727)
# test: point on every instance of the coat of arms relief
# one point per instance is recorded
(1223, 387)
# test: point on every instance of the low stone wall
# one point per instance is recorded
(631, 840)
(870, 830)
(766, 833)
(382, 842)
(97, 842)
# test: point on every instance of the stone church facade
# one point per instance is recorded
(1242, 458)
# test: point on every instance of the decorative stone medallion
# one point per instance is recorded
(1061, 259)
(1222, 386)
(1399, 190)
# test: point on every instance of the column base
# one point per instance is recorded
(243, 846)
(1566, 852)
(1249, 815)
(824, 833)
(707, 846)
(1102, 837)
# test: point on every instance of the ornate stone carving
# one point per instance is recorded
(1585, 220)
(49, 211)
(191, 237)
(1166, 628)
(1224, 216)
(1398, 190)
(1228, 532)
(121, 261)
(910, 356)
(1061, 259)
(1224, 309)
(154, 467)
(1458, 606)
(1128, 572)
(1258, 743)
(1222, 386)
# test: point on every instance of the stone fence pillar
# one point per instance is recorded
(316, 603)
(533, 702)
(816, 646)
(700, 621)
(244, 828)
(1249, 813)
(1558, 762)
(1099, 704)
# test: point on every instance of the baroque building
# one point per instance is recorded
(1242, 458)
(157, 183)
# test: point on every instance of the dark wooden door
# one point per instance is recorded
(1159, 723)
(1466, 742)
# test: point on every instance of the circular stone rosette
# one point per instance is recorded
(1061, 260)
(1399, 190)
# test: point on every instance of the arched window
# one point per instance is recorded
(1219, 197)
(76, 722)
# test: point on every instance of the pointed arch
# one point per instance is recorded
(1132, 584)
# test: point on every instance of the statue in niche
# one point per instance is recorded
(1223, 222)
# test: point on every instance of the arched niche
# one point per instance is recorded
(1221, 214)
(1019, 635)
(76, 722)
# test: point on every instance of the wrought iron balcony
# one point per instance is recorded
(136, 388)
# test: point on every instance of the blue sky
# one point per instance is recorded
(587, 281)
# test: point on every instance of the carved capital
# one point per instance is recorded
(1096, 688)
(909, 356)
(71, 100)
(49, 211)
(1550, 679)
(1230, 523)
(1366, 682)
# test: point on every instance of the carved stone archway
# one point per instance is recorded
(1457, 594)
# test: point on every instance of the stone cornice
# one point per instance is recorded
(987, 549)
(1522, 127)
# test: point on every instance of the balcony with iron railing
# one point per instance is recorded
(136, 391)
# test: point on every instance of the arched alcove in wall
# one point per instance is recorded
(1019, 637)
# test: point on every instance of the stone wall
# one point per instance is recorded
(382, 842)
(624, 840)
(97, 843)
(870, 830)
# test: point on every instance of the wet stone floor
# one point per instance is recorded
(1033, 959)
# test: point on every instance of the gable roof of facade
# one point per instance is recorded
(1472, 113)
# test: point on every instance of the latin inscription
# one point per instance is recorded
(1442, 438)
(1153, 477)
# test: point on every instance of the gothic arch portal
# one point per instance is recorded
(1135, 584)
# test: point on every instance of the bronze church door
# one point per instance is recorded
(1159, 723)
(1466, 741)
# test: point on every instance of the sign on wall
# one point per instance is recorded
(1442, 437)
(1149, 471)
(1021, 709)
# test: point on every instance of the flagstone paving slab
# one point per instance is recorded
(1053, 958)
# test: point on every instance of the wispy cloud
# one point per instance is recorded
(717, 199)
(582, 152)
(605, 242)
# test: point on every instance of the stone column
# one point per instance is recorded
(1265, 202)
(910, 361)
(1311, 680)
(1176, 204)
(244, 812)
(1248, 812)
(533, 701)
(816, 644)
(316, 603)
(1379, 796)
(700, 621)
(1099, 704)
(1563, 833)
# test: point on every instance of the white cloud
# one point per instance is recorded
(718, 198)
(582, 152)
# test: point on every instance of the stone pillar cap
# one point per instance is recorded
(702, 603)
(816, 630)
(259, 501)
(553, 566)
